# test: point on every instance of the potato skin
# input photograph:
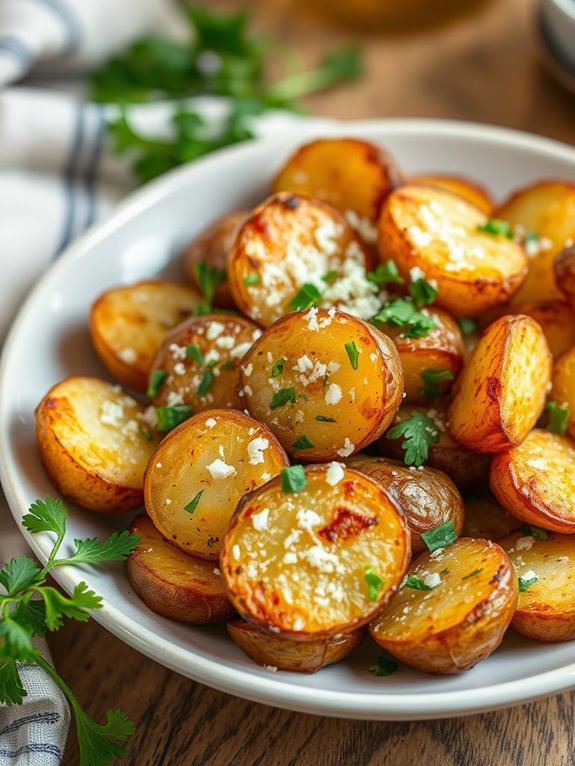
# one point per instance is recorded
(501, 392)
(428, 498)
(540, 494)
(128, 323)
(348, 173)
(212, 246)
(557, 321)
(276, 651)
(172, 583)
(486, 518)
(87, 458)
(563, 391)
(451, 632)
(470, 190)
(564, 268)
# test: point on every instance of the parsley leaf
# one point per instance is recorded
(374, 583)
(384, 274)
(536, 532)
(11, 690)
(325, 419)
(16, 639)
(193, 351)
(467, 326)
(193, 504)
(206, 382)
(419, 433)
(558, 418)
(440, 537)
(19, 574)
(278, 367)
(59, 606)
(282, 397)
(401, 312)
(48, 515)
(293, 479)
(416, 583)
(306, 297)
(432, 380)
(252, 279)
(102, 743)
(526, 583)
(302, 442)
(329, 276)
(170, 417)
(472, 574)
(422, 292)
(383, 667)
(157, 379)
(352, 354)
(208, 279)
(117, 547)
(497, 227)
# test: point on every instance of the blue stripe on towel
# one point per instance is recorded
(18, 49)
(92, 170)
(70, 22)
(69, 176)
(51, 717)
(44, 747)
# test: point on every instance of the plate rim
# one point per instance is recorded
(377, 705)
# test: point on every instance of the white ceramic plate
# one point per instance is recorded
(50, 340)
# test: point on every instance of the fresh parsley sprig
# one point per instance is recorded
(29, 607)
(419, 432)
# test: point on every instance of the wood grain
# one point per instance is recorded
(482, 68)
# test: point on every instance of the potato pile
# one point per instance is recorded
(358, 416)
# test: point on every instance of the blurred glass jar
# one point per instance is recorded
(391, 15)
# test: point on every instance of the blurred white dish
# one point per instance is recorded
(50, 340)
(558, 19)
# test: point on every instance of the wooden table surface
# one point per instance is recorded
(482, 68)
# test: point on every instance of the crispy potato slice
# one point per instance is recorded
(428, 498)
(563, 391)
(276, 652)
(290, 241)
(484, 517)
(470, 190)
(316, 562)
(535, 481)
(460, 618)
(464, 467)
(212, 247)
(95, 443)
(501, 392)
(439, 232)
(557, 321)
(201, 358)
(546, 607)
(440, 350)
(348, 173)
(172, 583)
(564, 268)
(325, 383)
(200, 471)
(127, 324)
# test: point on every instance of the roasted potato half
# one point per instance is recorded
(470, 190)
(441, 350)
(294, 251)
(199, 472)
(324, 382)
(563, 391)
(348, 173)
(198, 363)
(501, 392)
(535, 481)
(212, 246)
(173, 584)
(428, 498)
(546, 606)
(440, 233)
(557, 321)
(564, 267)
(313, 561)
(453, 608)
(485, 517)
(95, 443)
(127, 324)
(276, 652)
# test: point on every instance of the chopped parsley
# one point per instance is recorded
(384, 274)
(497, 227)
(170, 417)
(330, 276)
(212, 541)
(536, 532)
(194, 352)
(325, 419)
(401, 312)
(278, 367)
(467, 326)
(293, 479)
(306, 297)
(472, 574)
(206, 382)
(157, 379)
(282, 397)
(526, 583)
(208, 278)
(353, 354)
(252, 279)
(558, 418)
(374, 583)
(440, 537)
(227, 365)
(530, 237)
(432, 379)
(193, 504)
(416, 583)
(383, 667)
(302, 442)
(422, 292)
(419, 433)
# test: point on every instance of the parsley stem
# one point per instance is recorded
(51, 559)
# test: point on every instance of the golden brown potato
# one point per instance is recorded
(547, 209)
(95, 443)
(276, 652)
(325, 383)
(428, 498)
(563, 391)
(470, 190)
(127, 324)
(439, 232)
(294, 252)
(173, 584)
(440, 350)
(535, 481)
(212, 246)
(546, 606)
(317, 561)
(453, 609)
(501, 392)
(348, 173)
(557, 322)
(198, 363)
(199, 472)
(484, 517)
(564, 267)
(464, 467)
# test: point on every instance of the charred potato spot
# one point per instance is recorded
(486, 518)
(469, 190)
(535, 481)
(439, 232)
(501, 392)
(460, 615)
(285, 576)
(200, 471)
(563, 391)
(557, 321)
(201, 358)
(127, 324)
(338, 406)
